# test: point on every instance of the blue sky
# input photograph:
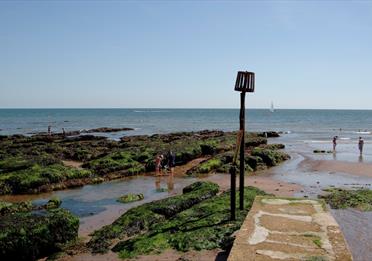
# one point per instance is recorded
(185, 54)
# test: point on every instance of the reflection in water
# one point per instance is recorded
(168, 180)
(157, 182)
(170, 183)
(334, 155)
(360, 158)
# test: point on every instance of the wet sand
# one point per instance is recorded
(352, 168)
(263, 182)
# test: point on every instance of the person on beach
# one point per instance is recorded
(63, 132)
(360, 145)
(158, 162)
(334, 143)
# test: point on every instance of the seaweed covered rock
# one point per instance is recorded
(205, 225)
(37, 178)
(254, 162)
(117, 161)
(9, 208)
(205, 167)
(270, 157)
(142, 218)
(130, 198)
(53, 203)
(192, 195)
(274, 146)
(342, 198)
(36, 164)
(29, 236)
(254, 141)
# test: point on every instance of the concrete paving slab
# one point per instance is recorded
(289, 229)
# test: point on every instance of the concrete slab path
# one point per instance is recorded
(289, 229)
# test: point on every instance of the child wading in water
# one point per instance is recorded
(158, 165)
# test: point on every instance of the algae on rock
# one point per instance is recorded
(142, 218)
(29, 236)
(342, 198)
(182, 222)
(130, 198)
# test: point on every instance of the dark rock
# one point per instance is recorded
(269, 134)
(106, 130)
(27, 236)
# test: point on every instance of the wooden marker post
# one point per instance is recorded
(245, 82)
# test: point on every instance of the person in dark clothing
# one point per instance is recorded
(171, 161)
(334, 141)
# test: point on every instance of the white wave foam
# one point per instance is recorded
(362, 132)
(316, 141)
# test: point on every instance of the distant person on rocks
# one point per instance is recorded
(63, 132)
(49, 130)
(360, 145)
(334, 143)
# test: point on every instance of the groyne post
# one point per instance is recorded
(245, 82)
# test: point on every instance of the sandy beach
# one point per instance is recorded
(333, 166)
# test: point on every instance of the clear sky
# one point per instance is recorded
(185, 54)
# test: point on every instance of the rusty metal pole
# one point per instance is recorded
(242, 149)
(233, 192)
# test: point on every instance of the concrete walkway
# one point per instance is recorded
(289, 229)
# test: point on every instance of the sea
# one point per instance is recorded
(314, 125)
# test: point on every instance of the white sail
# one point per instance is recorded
(272, 107)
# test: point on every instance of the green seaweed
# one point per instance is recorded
(202, 224)
(27, 236)
(318, 242)
(342, 198)
(141, 218)
(130, 198)
(270, 157)
(206, 225)
(34, 164)
(31, 179)
(53, 203)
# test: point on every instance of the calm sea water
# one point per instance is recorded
(312, 125)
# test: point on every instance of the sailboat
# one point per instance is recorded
(272, 107)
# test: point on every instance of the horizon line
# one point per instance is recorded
(167, 108)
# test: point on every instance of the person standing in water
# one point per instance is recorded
(360, 145)
(171, 161)
(334, 143)
(158, 161)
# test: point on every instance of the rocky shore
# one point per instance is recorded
(198, 219)
(36, 164)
